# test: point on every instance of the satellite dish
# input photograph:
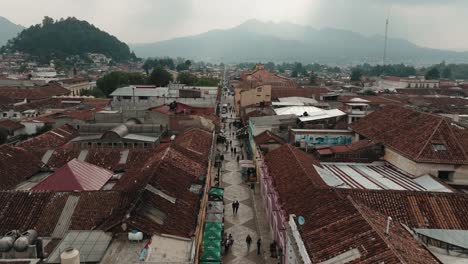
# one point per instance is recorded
(301, 220)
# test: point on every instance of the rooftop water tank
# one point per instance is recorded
(6, 242)
(27, 238)
(70, 256)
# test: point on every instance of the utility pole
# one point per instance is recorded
(385, 45)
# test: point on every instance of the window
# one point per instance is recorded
(5, 114)
(127, 97)
(446, 175)
(439, 147)
(259, 89)
(143, 97)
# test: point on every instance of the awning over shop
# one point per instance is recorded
(216, 207)
(214, 218)
(213, 231)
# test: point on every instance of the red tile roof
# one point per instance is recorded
(16, 165)
(10, 125)
(267, 137)
(334, 225)
(416, 209)
(75, 176)
(41, 210)
(49, 140)
(290, 168)
(195, 143)
(290, 92)
(33, 93)
(413, 134)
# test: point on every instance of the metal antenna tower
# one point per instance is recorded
(385, 45)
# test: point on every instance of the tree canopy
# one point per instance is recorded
(160, 77)
(67, 37)
(356, 75)
(432, 74)
(117, 79)
(399, 70)
(187, 78)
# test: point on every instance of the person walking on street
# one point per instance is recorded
(233, 208)
(248, 240)
(259, 244)
(236, 207)
(232, 150)
(235, 150)
(238, 158)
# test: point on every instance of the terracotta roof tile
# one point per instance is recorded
(334, 225)
(289, 168)
(267, 137)
(416, 209)
(10, 125)
(16, 165)
(33, 93)
(413, 134)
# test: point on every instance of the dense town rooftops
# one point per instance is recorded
(33, 93)
(51, 139)
(76, 176)
(337, 226)
(17, 164)
(10, 125)
(290, 168)
(268, 137)
(421, 137)
(414, 208)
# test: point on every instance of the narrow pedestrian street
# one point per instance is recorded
(245, 222)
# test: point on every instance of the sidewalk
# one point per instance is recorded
(251, 218)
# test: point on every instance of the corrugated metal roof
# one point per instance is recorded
(377, 176)
(129, 91)
(64, 221)
(457, 238)
(76, 175)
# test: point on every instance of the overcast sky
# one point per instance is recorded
(431, 23)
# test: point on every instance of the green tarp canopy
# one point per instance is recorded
(212, 244)
(211, 254)
(214, 218)
(216, 191)
(213, 231)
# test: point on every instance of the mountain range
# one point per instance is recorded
(256, 41)
(8, 30)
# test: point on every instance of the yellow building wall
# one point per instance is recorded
(255, 95)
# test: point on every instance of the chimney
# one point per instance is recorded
(387, 231)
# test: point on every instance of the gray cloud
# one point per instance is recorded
(432, 23)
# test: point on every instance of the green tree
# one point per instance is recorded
(313, 79)
(160, 77)
(65, 38)
(369, 92)
(356, 75)
(96, 92)
(117, 79)
(187, 78)
(294, 74)
(188, 63)
(447, 73)
(47, 21)
(182, 67)
(432, 74)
